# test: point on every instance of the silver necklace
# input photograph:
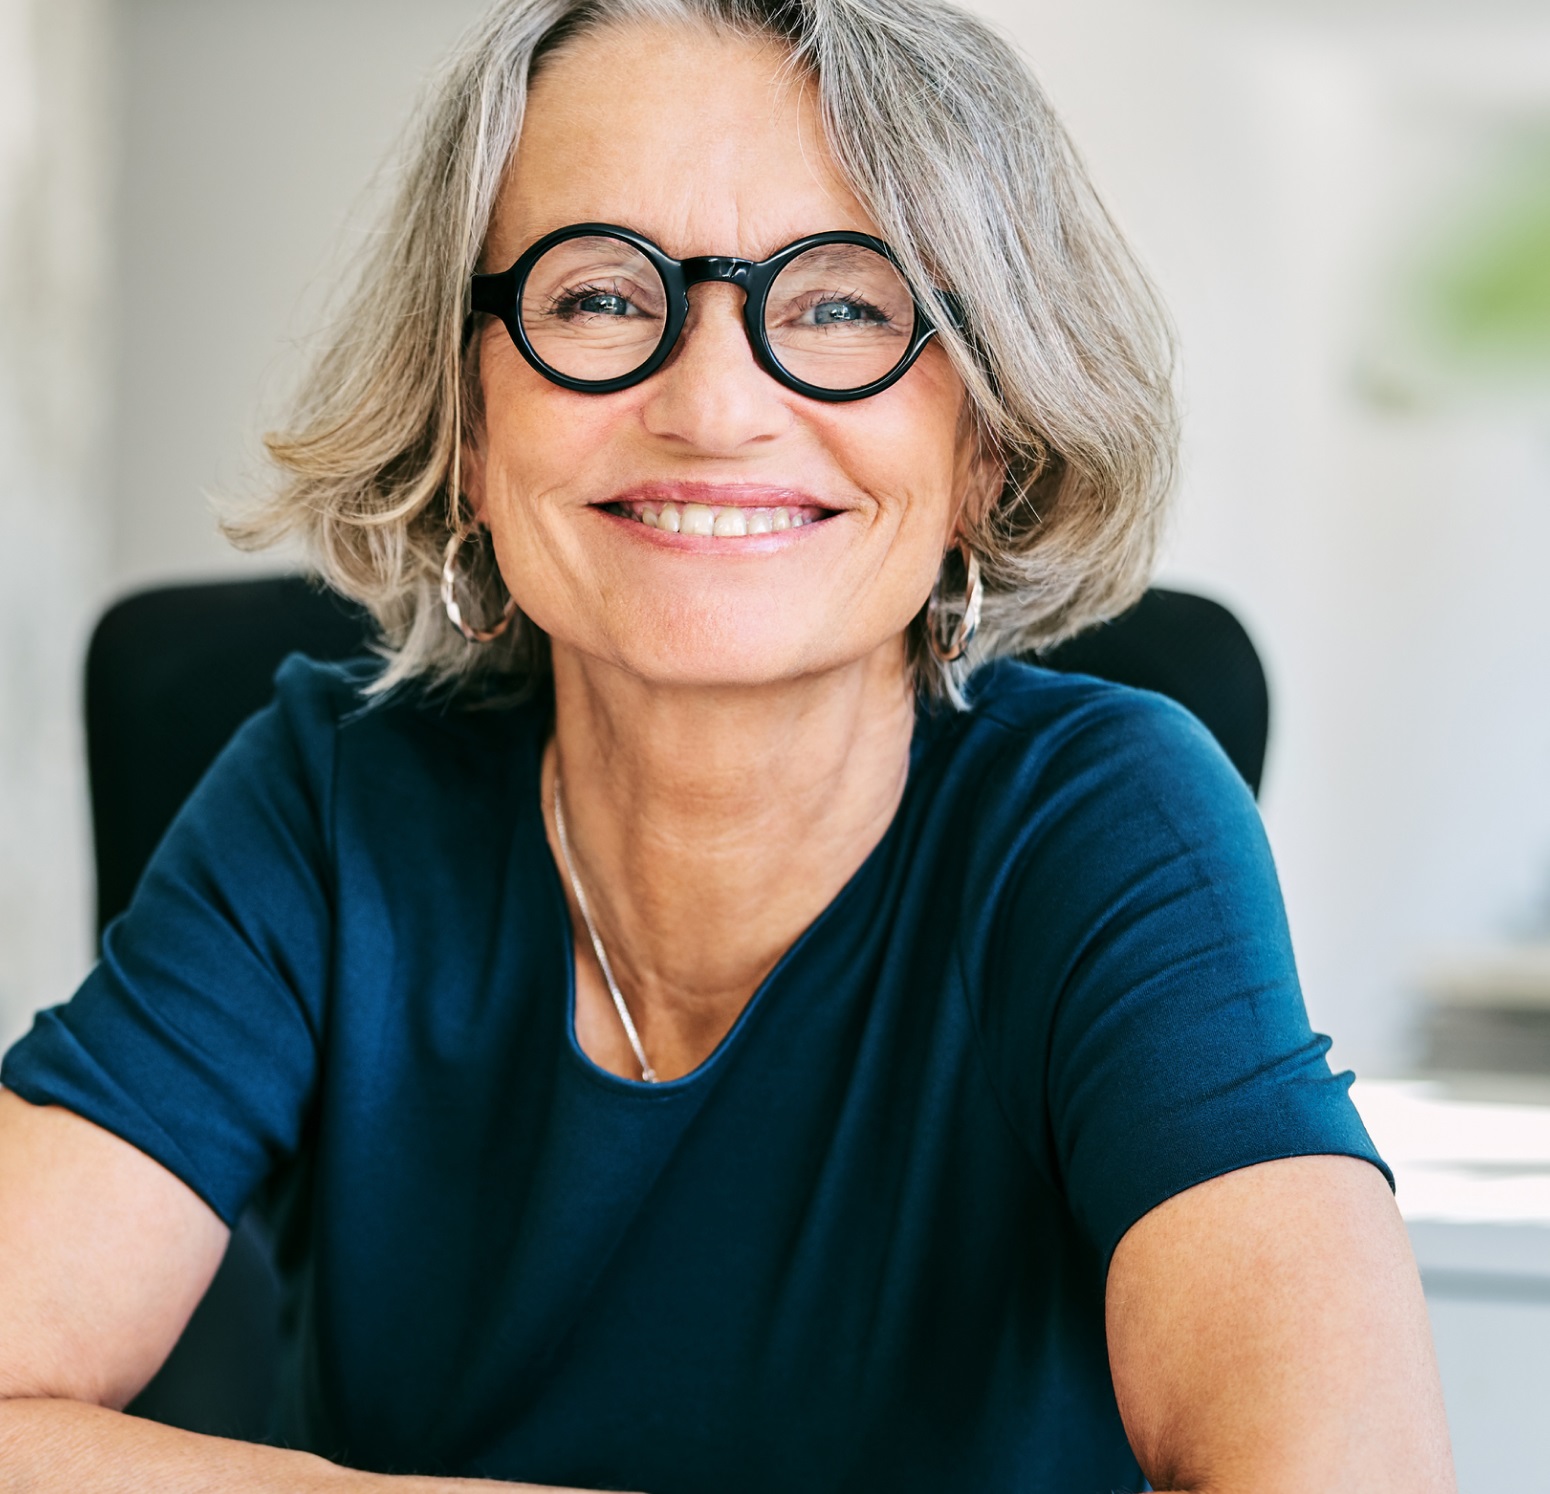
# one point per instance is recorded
(647, 1073)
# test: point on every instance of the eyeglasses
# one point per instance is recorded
(597, 308)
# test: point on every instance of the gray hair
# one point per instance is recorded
(949, 144)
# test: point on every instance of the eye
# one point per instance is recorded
(589, 300)
(604, 303)
(845, 313)
(831, 308)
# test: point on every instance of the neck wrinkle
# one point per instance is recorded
(711, 827)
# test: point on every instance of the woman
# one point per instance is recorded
(688, 1032)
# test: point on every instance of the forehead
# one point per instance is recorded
(701, 140)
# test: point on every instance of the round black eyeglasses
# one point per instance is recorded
(596, 308)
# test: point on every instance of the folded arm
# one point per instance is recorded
(1267, 1333)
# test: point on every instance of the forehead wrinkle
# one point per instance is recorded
(740, 157)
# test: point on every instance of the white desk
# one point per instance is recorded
(1473, 1183)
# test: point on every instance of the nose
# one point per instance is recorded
(711, 394)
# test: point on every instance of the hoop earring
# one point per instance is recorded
(967, 613)
(449, 580)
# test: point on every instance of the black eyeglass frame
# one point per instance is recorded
(500, 295)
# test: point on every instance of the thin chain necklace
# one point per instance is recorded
(647, 1073)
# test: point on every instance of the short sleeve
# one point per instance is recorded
(1143, 1014)
(197, 1036)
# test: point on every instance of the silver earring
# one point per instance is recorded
(965, 615)
(449, 587)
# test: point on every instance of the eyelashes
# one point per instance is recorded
(568, 304)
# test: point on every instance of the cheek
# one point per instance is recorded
(533, 430)
(903, 447)
(527, 454)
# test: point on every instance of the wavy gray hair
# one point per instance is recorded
(949, 144)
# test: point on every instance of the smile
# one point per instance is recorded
(718, 521)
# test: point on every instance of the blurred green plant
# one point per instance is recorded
(1485, 296)
(1482, 295)
(1463, 315)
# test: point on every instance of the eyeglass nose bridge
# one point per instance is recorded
(711, 269)
(705, 268)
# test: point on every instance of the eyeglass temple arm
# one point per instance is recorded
(492, 293)
(950, 310)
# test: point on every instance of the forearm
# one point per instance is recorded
(74, 1448)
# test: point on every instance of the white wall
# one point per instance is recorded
(1492, 1355)
(251, 135)
(54, 101)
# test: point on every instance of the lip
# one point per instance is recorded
(718, 495)
(723, 495)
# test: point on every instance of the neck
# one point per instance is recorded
(710, 827)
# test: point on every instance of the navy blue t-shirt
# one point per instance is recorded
(861, 1247)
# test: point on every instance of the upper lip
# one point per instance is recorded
(719, 495)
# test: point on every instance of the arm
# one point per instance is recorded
(1267, 1333)
(103, 1256)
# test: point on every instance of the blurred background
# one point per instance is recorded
(1347, 206)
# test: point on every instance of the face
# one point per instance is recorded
(698, 142)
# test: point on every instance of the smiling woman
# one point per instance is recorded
(697, 1016)
(968, 223)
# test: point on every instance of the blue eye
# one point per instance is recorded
(583, 302)
(844, 313)
(603, 303)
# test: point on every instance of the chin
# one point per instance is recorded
(718, 664)
(721, 637)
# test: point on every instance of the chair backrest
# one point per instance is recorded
(1192, 650)
(172, 673)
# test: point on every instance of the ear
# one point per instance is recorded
(980, 475)
(473, 488)
(471, 481)
(472, 477)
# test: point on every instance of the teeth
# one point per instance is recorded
(699, 518)
(722, 523)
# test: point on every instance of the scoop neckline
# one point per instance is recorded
(668, 1089)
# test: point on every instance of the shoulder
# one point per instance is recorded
(329, 757)
(331, 707)
(1066, 803)
(312, 699)
(1024, 702)
(1035, 743)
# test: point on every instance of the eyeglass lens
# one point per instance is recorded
(838, 316)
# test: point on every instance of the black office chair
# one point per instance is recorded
(172, 673)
